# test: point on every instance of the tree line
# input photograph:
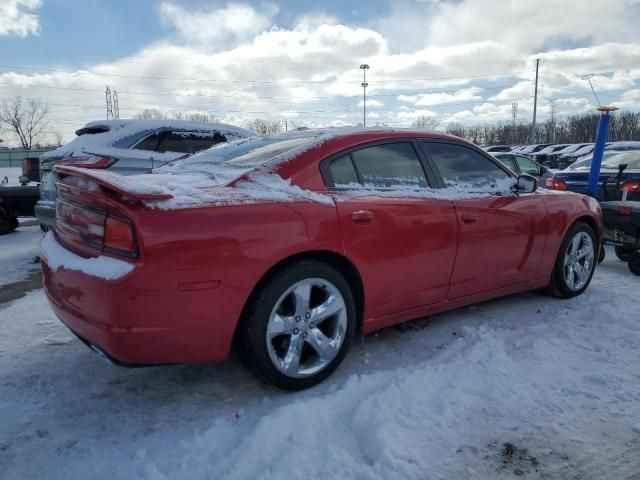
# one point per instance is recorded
(573, 129)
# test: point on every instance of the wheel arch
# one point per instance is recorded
(341, 263)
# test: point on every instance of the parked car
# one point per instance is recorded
(284, 246)
(497, 148)
(624, 145)
(575, 177)
(553, 159)
(541, 155)
(566, 159)
(521, 164)
(528, 150)
(127, 147)
(15, 201)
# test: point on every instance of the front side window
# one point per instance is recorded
(507, 160)
(527, 165)
(459, 164)
(391, 165)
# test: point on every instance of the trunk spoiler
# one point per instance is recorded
(121, 184)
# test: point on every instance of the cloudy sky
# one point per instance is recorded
(458, 61)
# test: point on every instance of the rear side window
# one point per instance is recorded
(389, 165)
(507, 160)
(149, 143)
(342, 171)
(459, 164)
(527, 165)
(188, 142)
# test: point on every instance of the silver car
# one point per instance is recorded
(127, 147)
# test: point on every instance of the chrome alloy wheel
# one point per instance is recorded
(307, 327)
(578, 261)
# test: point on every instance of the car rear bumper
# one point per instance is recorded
(135, 324)
(46, 213)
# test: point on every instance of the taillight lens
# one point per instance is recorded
(631, 187)
(118, 236)
(555, 184)
(89, 161)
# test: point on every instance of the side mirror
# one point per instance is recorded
(526, 184)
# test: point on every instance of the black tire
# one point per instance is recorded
(602, 255)
(14, 223)
(251, 335)
(44, 228)
(634, 264)
(558, 286)
(5, 226)
(624, 254)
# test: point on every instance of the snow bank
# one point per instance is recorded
(101, 267)
(12, 174)
(18, 250)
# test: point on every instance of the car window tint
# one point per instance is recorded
(457, 164)
(527, 165)
(507, 160)
(390, 165)
(174, 142)
(342, 171)
(149, 143)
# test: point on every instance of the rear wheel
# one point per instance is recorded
(575, 263)
(634, 264)
(624, 254)
(298, 327)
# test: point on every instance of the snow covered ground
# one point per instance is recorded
(18, 250)
(524, 386)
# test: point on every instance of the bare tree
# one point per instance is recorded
(152, 114)
(27, 119)
(425, 123)
(262, 127)
(201, 117)
(58, 138)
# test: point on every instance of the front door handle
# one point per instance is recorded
(362, 216)
(469, 219)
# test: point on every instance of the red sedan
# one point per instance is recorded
(284, 246)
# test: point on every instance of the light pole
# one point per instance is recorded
(364, 67)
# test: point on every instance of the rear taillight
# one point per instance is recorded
(119, 237)
(89, 161)
(631, 187)
(555, 184)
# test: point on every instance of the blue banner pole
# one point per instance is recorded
(598, 150)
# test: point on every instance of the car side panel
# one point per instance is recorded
(564, 208)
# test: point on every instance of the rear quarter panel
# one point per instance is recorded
(563, 210)
(205, 262)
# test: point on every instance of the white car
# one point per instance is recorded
(127, 147)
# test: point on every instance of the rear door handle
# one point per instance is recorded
(362, 216)
(469, 219)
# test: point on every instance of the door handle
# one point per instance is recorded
(469, 219)
(362, 216)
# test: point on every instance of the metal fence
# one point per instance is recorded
(14, 157)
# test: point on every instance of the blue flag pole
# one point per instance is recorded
(598, 150)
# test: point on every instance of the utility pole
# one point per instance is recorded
(535, 105)
(364, 67)
(107, 95)
(552, 121)
(514, 116)
(116, 107)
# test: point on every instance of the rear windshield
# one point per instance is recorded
(245, 154)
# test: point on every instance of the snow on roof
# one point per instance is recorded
(626, 145)
(124, 133)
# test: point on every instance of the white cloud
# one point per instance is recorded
(217, 27)
(431, 99)
(16, 17)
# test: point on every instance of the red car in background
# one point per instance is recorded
(284, 246)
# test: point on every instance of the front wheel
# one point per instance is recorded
(575, 263)
(298, 327)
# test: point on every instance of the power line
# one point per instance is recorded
(253, 81)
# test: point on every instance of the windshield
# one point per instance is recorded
(610, 160)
